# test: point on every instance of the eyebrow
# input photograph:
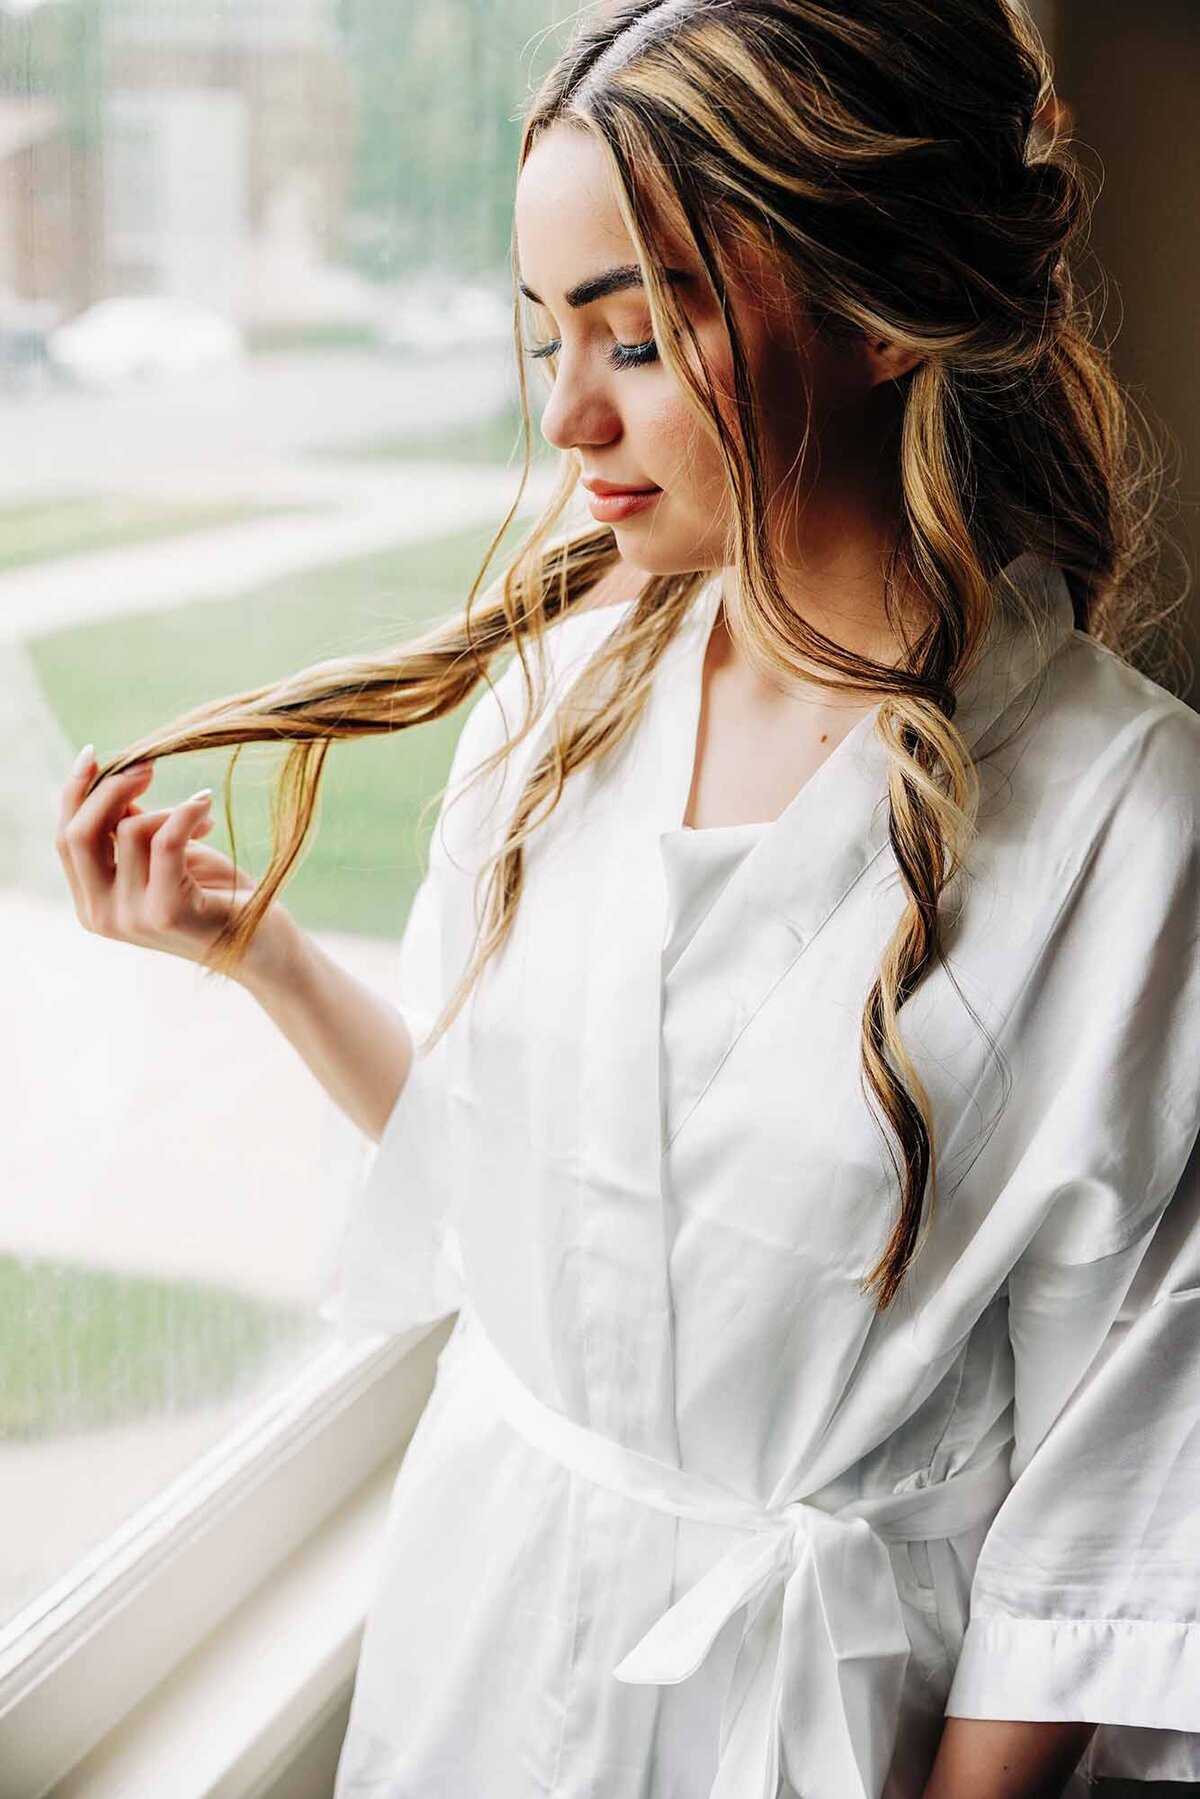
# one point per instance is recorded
(612, 281)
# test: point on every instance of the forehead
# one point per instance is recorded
(566, 214)
(569, 227)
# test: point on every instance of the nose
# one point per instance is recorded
(580, 410)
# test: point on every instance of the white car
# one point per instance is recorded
(142, 337)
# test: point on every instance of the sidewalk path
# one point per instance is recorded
(369, 508)
(156, 1121)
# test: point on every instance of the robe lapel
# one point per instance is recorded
(628, 1334)
(797, 874)
(556, 1076)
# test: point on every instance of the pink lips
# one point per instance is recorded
(611, 507)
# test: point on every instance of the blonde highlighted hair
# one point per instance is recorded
(893, 158)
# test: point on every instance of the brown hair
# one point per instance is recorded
(892, 156)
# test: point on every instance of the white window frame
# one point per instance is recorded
(76, 1662)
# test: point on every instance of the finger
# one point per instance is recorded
(86, 845)
(206, 865)
(132, 836)
(75, 785)
(154, 818)
(168, 873)
(210, 849)
(210, 868)
(215, 858)
(135, 811)
(78, 776)
(97, 814)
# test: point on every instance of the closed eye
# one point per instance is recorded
(622, 356)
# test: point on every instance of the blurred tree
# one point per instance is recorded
(56, 50)
(441, 85)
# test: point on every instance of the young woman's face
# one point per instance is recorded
(616, 406)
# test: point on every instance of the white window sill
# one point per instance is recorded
(226, 1628)
(243, 1703)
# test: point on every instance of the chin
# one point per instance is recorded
(639, 550)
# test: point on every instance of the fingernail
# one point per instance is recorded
(84, 759)
(139, 768)
(202, 793)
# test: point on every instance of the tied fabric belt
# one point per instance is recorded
(817, 1676)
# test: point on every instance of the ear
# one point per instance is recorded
(887, 361)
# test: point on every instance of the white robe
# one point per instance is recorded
(684, 1516)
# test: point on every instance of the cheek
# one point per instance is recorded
(686, 462)
(698, 460)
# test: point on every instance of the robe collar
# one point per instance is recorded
(798, 872)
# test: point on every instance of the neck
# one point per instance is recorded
(833, 541)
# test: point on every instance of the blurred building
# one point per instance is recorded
(228, 142)
(181, 147)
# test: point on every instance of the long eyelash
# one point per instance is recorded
(631, 356)
(622, 356)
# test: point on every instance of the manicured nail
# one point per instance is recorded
(202, 793)
(84, 759)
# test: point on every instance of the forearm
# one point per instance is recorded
(986, 1758)
(356, 1043)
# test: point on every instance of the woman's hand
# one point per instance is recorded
(143, 878)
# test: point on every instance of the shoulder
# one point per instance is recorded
(1107, 744)
(1095, 791)
(1109, 688)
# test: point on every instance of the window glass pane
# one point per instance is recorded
(257, 376)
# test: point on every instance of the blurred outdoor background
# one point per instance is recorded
(259, 409)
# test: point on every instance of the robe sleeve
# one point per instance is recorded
(395, 1271)
(1085, 1602)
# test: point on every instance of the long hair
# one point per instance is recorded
(900, 161)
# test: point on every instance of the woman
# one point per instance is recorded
(803, 1123)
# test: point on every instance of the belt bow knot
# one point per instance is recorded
(818, 1671)
(817, 1676)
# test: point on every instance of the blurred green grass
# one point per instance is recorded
(113, 680)
(82, 1347)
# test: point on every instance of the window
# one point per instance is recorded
(255, 349)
